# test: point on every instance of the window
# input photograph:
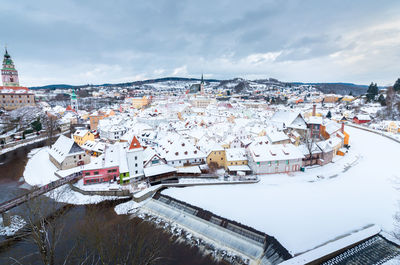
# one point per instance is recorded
(135, 157)
(87, 173)
(222, 158)
(136, 172)
(96, 172)
(287, 162)
(258, 163)
(136, 165)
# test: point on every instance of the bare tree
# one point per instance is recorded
(50, 123)
(127, 242)
(309, 143)
(45, 225)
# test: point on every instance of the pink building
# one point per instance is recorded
(99, 175)
(104, 169)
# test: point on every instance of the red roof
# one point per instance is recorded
(69, 108)
(134, 144)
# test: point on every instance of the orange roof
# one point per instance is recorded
(69, 108)
(15, 87)
(134, 144)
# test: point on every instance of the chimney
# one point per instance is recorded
(314, 109)
(342, 129)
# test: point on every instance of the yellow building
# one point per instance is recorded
(81, 136)
(392, 127)
(140, 102)
(348, 98)
(235, 157)
(216, 156)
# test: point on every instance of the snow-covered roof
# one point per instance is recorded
(189, 170)
(235, 154)
(314, 120)
(64, 147)
(81, 132)
(239, 168)
(332, 127)
(276, 136)
(158, 170)
(276, 152)
(363, 117)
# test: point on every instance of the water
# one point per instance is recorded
(79, 220)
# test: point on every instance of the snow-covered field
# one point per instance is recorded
(303, 211)
(39, 170)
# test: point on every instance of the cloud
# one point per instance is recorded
(101, 41)
(180, 71)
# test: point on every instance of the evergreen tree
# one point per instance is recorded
(329, 115)
(372, 91)
(396, 85)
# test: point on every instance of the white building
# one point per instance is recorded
(179, 152)
(270, 159)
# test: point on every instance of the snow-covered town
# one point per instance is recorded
(194, 164)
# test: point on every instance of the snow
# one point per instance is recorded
(189, 170)
(128, 207)
(333, 246)
(158, 170)
(16, 224)
(39, 170)
(303, 210)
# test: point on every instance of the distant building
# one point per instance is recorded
(363, 118)
(13, 96)
(140, 102)
(74, 101)
(197, 88)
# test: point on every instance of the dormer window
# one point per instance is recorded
(195, 152)
(183, 144)
(186, 152)
(176, 153)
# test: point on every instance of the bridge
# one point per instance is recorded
(5, 206)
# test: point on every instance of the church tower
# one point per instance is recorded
(74, 101)
(8, 73)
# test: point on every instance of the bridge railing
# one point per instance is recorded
(37, 191)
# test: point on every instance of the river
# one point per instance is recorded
(11, 170)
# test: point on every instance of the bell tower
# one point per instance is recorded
(8, 73)
(74, 101)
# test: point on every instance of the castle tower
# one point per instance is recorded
(8, 73)
(74, 101)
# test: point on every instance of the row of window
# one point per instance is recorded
(187, 161)
(19, 96)
(276, 163)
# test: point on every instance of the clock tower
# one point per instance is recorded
(8, 73)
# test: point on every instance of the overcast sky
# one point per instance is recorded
(81, 42)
